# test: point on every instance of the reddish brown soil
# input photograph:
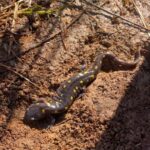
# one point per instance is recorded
(113, 113)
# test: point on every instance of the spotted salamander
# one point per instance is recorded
(71, 89)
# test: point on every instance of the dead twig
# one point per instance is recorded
(7, 7)
(91, 12)
(7, 14)
(15, 16)
(46, 40)
(62, 122)
(62, 34)
(29, 3)
(141, 16)
(19, 74)
(113, 14)
(42, 89)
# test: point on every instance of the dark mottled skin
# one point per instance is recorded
(71, 89)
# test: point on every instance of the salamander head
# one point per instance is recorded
(36, 112)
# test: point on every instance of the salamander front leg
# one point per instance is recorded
(52, 121)
(82, 92)
(82, 68)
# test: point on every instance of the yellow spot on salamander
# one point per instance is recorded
(85, 72)
(66, 108)
(92, 76)
(81, 81)
(37, 103)
(76, 88)
(69, 81)
(64, 86)
(60, 100)
(48, 104)
(43, 110)
(71, 97)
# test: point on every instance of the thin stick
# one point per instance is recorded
(117, 16)
(43, 90)
(62, 38)
(62, 34)
(15, 16)
(141, 16)
(7, 7)
(46, 40)
(7, 14)
(19, 74)
(29, 3)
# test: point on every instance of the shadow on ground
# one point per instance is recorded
(129, 128)
(9, 46)
(10, 84)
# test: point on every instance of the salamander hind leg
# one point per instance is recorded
(51, 121)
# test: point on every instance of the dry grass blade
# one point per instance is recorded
(7, 14)
(15, 16)
(141, 16)
(29, 3)
(7, 7)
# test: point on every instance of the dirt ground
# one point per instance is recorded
(114, 111)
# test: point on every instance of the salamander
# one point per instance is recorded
(70, 89)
